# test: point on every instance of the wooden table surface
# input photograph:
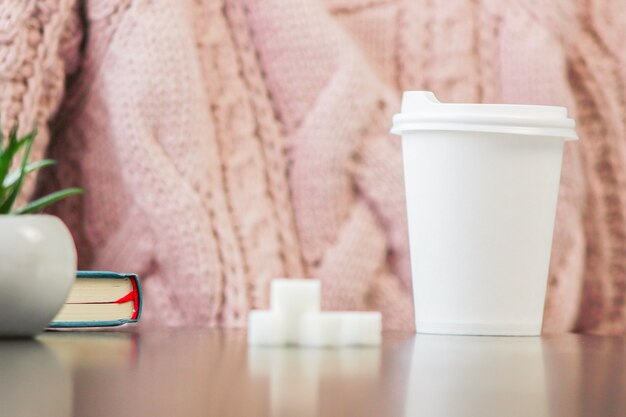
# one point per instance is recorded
(214, 373)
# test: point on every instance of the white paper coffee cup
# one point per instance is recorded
(481, 182)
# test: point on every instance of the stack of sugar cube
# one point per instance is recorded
(295, 318)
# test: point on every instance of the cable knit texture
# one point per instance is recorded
(225, 143)
(38, 41)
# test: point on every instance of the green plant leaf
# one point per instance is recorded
(13, 133)
(40, 203)
(11, 179)
(27, 140)
(6, 159)
(11, 149)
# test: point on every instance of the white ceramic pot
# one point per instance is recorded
(37, 269)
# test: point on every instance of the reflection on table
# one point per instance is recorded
(477, 376)
(213, 373)
(33, 382)
(301, 381)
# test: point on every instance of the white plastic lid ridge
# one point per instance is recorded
(422, 111)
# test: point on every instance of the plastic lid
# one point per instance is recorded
(422, 111)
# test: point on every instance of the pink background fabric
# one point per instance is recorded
(227, 143)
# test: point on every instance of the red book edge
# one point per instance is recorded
(131, 296)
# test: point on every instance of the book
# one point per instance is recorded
(100, 299)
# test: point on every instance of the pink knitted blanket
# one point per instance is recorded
(226, 143)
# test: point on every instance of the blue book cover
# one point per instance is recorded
(134, 296)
